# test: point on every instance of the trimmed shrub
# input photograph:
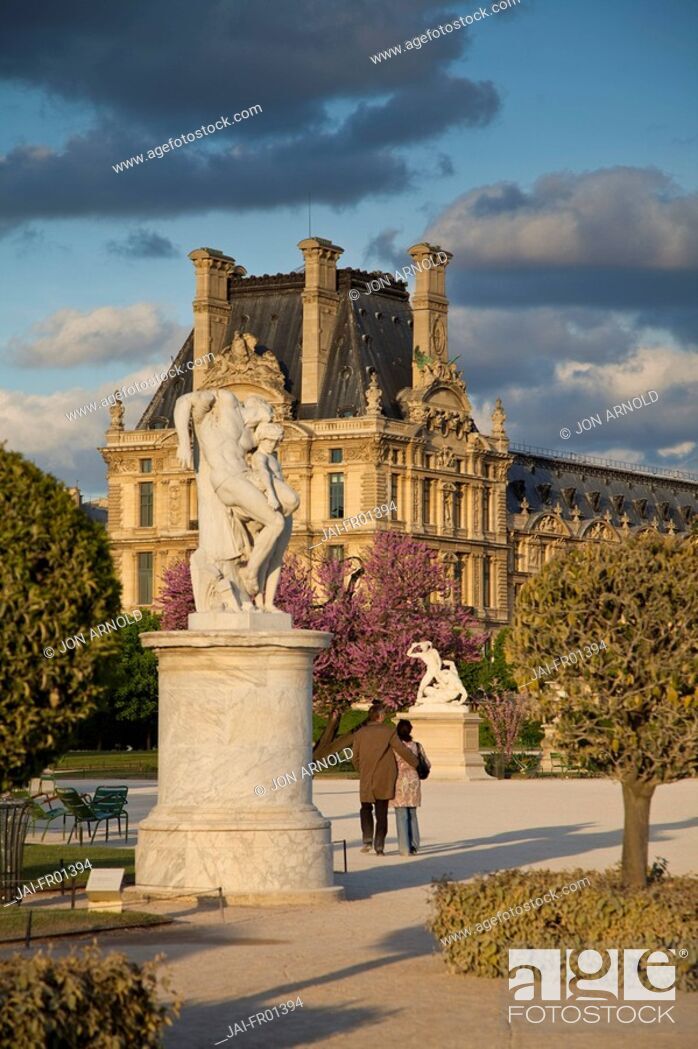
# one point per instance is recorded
(56, 582)
(83, 1001)
(601, 915)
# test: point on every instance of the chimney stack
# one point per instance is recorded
(429, 307)
(320, 305)
(211, 307)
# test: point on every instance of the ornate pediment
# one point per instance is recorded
(240, 366)
(442, 406)
(551, 524)
(600, 530)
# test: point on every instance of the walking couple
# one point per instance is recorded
(390, 765)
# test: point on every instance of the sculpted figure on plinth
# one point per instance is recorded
(440, 684)
(245, 506)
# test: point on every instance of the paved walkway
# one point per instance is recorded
(366, 969)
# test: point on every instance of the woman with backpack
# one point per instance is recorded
(408, 791)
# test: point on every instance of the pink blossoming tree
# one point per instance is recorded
(398, 593)
(177, 597)
(506, 712)
(374, 607)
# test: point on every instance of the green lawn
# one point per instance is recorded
(143, 764)
(124, 764)
(48, 922)
(45, 859)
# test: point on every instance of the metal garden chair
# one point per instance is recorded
(114, 800)
(84, 811)
(38, 814)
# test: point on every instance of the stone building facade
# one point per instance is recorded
(374, 411)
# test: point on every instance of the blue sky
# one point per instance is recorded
(390, 152)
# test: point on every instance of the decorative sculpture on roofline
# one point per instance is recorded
(245, 505)
(440, 684)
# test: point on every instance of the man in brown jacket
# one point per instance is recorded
(373, 759)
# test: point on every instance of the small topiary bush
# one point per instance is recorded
(599, 915)
(83, 1001)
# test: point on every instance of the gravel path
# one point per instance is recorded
(366, 968)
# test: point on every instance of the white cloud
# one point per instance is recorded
(677, 451)
(645, 368)
(70, 337)
(621, 455)
(617, 217)
(554, 367)
(37, 426)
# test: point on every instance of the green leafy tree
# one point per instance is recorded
(489, 677)
(134, 696)
(56, 582)
(631, 708)
(491, 669)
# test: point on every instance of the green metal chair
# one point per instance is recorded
(114, 800)
(38, 814)
(557, 763)
(84, 811)
(560, 763)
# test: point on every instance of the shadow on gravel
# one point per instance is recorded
(479, 856)
(205, 1024)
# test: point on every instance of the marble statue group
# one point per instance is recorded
(440, 684)
(245, 505)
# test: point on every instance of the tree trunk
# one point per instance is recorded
(637, 798)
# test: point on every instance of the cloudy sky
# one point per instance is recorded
(551, 148)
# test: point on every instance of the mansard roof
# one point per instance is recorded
(372, 333)
(159, 415)
(587, 489)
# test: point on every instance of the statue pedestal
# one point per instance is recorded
(451, 741)
(235, 714)
(547, 747)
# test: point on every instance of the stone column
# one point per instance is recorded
(235, 715)
(451, 741)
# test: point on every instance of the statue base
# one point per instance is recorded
(235, 717)
(451, 741)
(253, 620)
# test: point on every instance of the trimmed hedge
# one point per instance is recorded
(83, 1001)
(600, 915)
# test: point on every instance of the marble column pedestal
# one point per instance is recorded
(451, 741)
(235, 714)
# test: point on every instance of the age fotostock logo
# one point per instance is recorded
(612, 977)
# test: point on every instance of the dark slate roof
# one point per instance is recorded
(159, 415)
(270, 307)
(373, 332)
(96, 513)
(546, 480)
